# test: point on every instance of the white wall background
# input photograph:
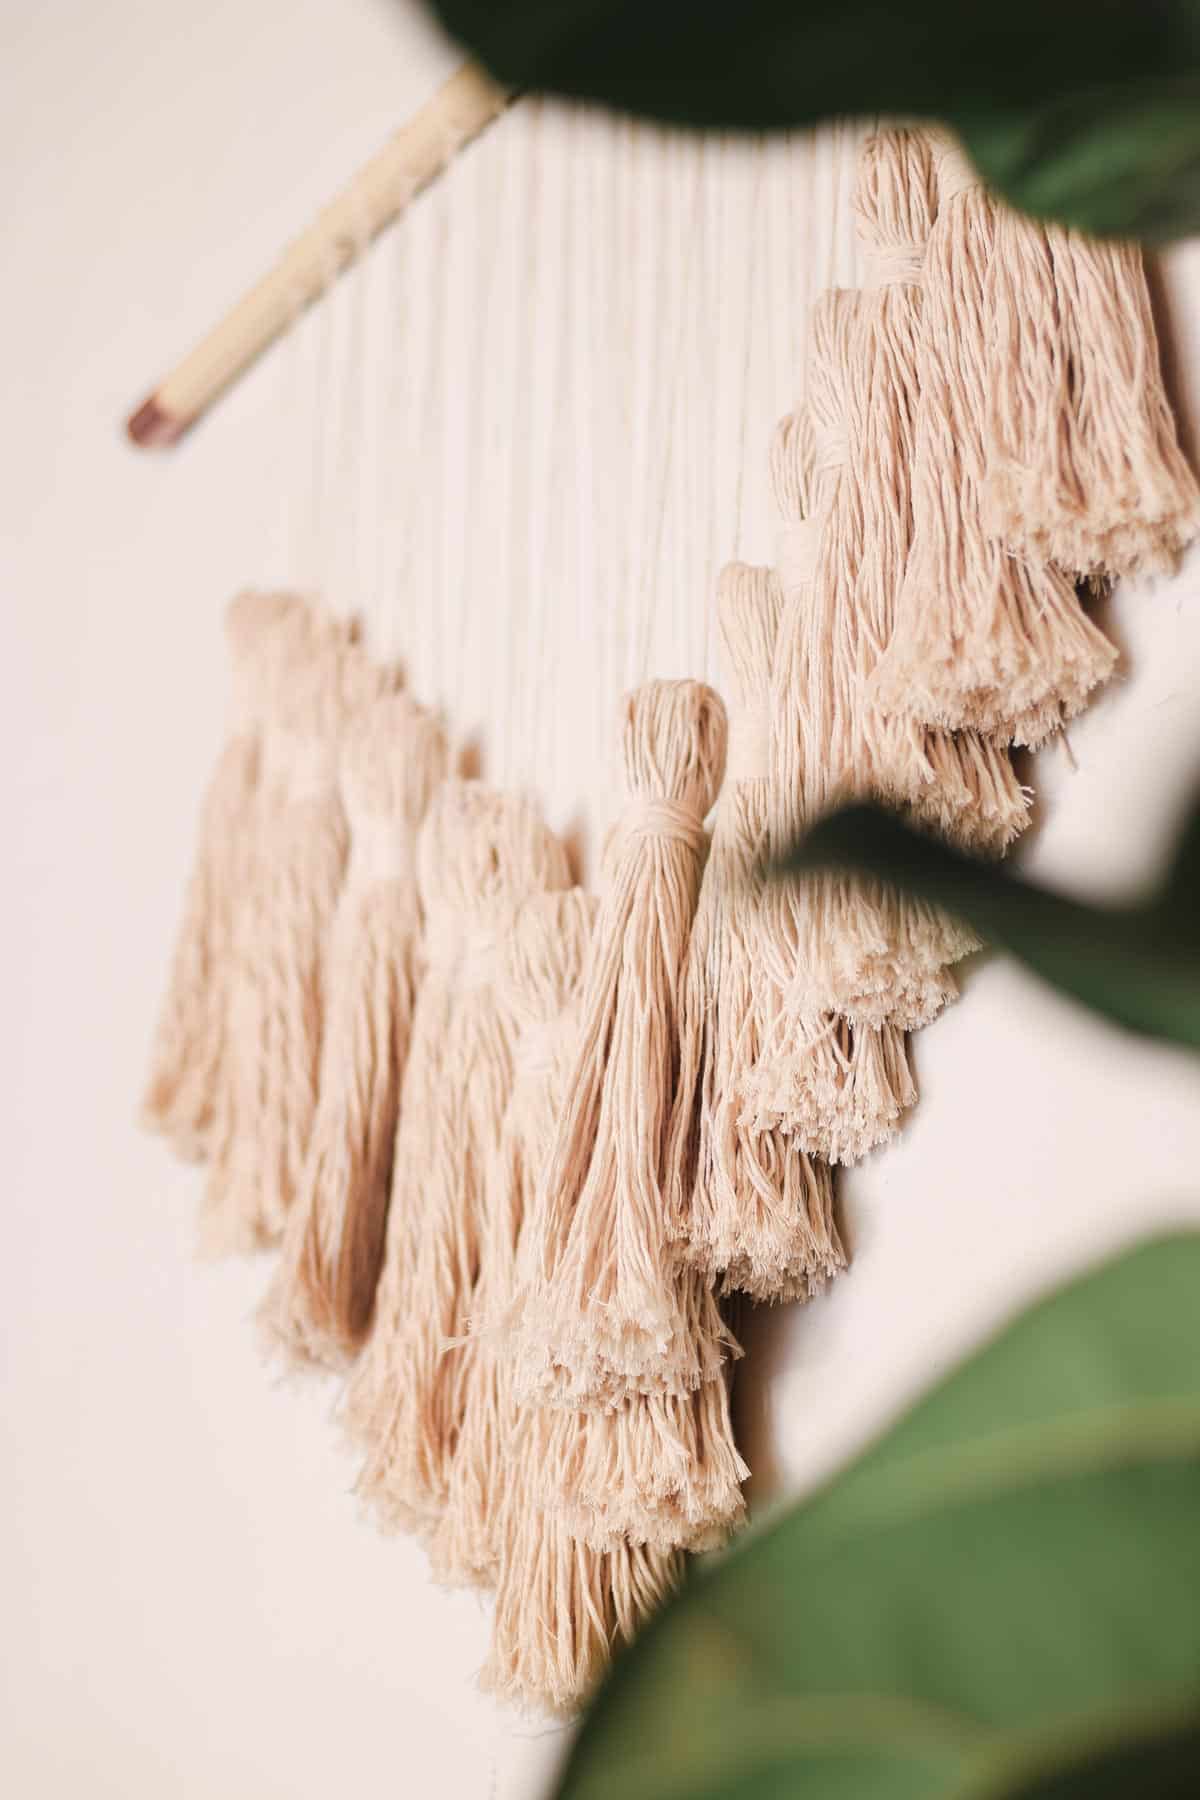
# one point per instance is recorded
(586, 331)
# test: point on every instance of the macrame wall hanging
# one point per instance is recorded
(524, 1114)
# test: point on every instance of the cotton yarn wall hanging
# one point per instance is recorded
(522, 1115)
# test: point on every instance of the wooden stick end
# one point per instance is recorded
(152, 427)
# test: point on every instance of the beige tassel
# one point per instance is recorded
(982, 639)
(1084, 466)
(276, 991)
(835, 944)
(319, 1306)
(539, 981)
(480, 854)
(657, 1469)
(606, 1314)
(191, 1047)
(746, 1206)
(838, 1087)
(961, 784)
(563, 1607)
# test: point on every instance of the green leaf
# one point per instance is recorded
(1139, 965)
(1001, 1590)
(1159, 1757)
(1123, 160)
(1086, 111)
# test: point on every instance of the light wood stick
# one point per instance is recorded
(419, 151)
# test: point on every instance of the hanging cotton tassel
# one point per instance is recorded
(542, 967)
(836, 945)
(747, 1207)
(605, 1303)
(276, 991)
(983, 640)
(1084, 466)
(838, 1087)
(562, 1607)
(191, 1046)
(656, 1469)
(480, 854)
(319, 1306)
(961, 784)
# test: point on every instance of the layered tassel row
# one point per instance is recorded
(521, 1148)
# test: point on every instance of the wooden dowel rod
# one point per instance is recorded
(380, 191)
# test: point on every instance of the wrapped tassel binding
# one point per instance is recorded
(838, 1085)
(606, 1314)
(1084, 467)
(747, 1208)
(276, 991)
(563, 1607)
(983, 640)
(480, 854)
(319, 1306)
(539, 980)
(961, 784)
(191, 1046)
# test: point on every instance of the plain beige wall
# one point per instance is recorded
(191, 1605)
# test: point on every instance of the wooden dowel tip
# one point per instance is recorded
(152, 427)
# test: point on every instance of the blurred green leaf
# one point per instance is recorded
(1001, 1592)
(1139, 965)
(1086, 111)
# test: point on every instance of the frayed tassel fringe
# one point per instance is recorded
(1083, 464)
(983, 640)
(191, 1052)
(604, 1306)
(562, 1606)
(319, 1307)
(480, 854)
(960, 784)
(541, 971)
(317, 674)
(748, 1209)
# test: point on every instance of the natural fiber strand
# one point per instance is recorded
(983, 640)
(748, 1208)
(276, 1007)
(319, 1306)
(480, 854)
(191, 1046)
(960, 784)
(605, 1305)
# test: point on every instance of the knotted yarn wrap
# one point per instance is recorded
(649, 816)
(755, 1214)
(276, 1007)
(538, 978)
(894, 265)
(961, 784)
(603, 1314)
(480, 854)
(982, 640)
(190, 1057)
(318, 1308)
(303, 767)
(953, 173)
(1083, 462)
